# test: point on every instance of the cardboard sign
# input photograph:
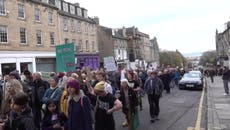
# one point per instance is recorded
(109, 64)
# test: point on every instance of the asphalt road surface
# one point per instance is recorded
(178, 111)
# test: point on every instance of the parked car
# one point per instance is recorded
(191, 81)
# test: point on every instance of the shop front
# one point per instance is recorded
(88, 60)
(22, 60)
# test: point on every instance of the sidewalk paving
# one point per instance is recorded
(218, 105)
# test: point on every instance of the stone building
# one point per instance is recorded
(155, 51)
(223, 46)
(105, 43)
(30, 30)
(112, 43)
(76, 27)
(140, 49)
(28, 35)
(120, 48)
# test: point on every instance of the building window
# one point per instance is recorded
(66, 40)
(79, 12)
(58, 3)
(52, 2)
(2, 7)
(85, 14)
(21, 11)
(93, 46)
(23, 35)
(80, 45)
(52, 38)
(72, 25)
(86, 28)
(72, 9)
(3, 34)
(79, 26)
(39, 37)
(50, 17)
(87, 45)
(65, 7)
(65, 23)
(37, 15)
(74, 41)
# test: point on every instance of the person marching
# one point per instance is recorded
(79, 108)
(130, 103)
(105, 105)
(154, 87)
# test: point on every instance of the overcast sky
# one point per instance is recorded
(186, 25)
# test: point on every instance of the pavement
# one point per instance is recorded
(218, 105)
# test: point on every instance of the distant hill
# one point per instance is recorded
(193, 54)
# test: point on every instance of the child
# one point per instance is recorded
(53, 119)
(24, 118)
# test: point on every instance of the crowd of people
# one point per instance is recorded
(81, 100)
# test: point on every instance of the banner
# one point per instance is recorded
(109, 64)
(65, 57)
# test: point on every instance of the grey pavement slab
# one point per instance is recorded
(218, 117)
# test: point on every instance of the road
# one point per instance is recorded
(178, 112)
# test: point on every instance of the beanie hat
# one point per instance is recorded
(61, 74)
(74, 84)
(100, 86)
(15, 74)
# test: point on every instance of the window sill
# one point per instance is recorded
(51, 24)
(52, 45)
(23, 19)
(39, 45)
(23, 44)
(4, 15)
(4, 44)
(37, 21)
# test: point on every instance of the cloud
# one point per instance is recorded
(186, 25)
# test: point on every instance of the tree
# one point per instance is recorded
(172, 58)
(208, 58)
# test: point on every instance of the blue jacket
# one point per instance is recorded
(56, 97)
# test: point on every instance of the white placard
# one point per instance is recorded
(109, 64)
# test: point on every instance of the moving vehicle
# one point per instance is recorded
(191, 81)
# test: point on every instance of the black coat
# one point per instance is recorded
(23, 121)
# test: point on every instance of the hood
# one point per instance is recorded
(77, 97)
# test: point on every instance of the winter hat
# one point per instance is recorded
(100, 86)
(15, 74)
(61, 74)
(74, 84)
